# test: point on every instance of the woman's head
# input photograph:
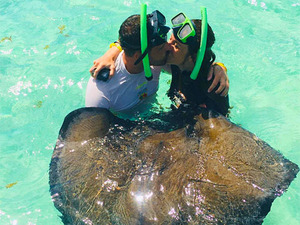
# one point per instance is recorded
(184, 55)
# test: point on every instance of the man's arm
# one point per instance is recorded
(107, 60)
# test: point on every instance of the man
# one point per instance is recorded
(129, 86)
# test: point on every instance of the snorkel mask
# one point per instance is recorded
(158, 36)
(184, 31)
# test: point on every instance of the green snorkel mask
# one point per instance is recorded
(184, 31)
(158, 36)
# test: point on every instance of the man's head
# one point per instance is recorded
(130, 40)
(129, 35)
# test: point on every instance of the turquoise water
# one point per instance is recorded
(48, 46)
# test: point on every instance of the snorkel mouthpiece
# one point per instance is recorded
(201, 51)
(144, 42)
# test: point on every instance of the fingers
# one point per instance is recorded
(226, 89)
(221, 87)
(96, 68)
(92, 70)
(112, 70)
(225, 93)
(101, 63)
(214, 84)
(210, 73)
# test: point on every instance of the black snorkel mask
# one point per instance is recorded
(158, 33)
(160, 30)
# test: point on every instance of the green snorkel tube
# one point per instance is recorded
(144, 41)
(201, 51)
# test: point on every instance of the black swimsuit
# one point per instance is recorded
(195, 91)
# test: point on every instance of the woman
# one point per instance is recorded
(183, 58)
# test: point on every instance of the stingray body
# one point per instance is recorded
(205, 170)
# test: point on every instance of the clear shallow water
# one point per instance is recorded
(44, 71)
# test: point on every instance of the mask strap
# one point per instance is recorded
(141, 57)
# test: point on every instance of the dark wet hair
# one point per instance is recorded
(129, 34)
(209, 56)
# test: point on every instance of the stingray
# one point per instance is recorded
(188, 167)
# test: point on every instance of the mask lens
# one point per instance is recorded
(179, 19)
(185, 31)
(161, 18)
(163, 32)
